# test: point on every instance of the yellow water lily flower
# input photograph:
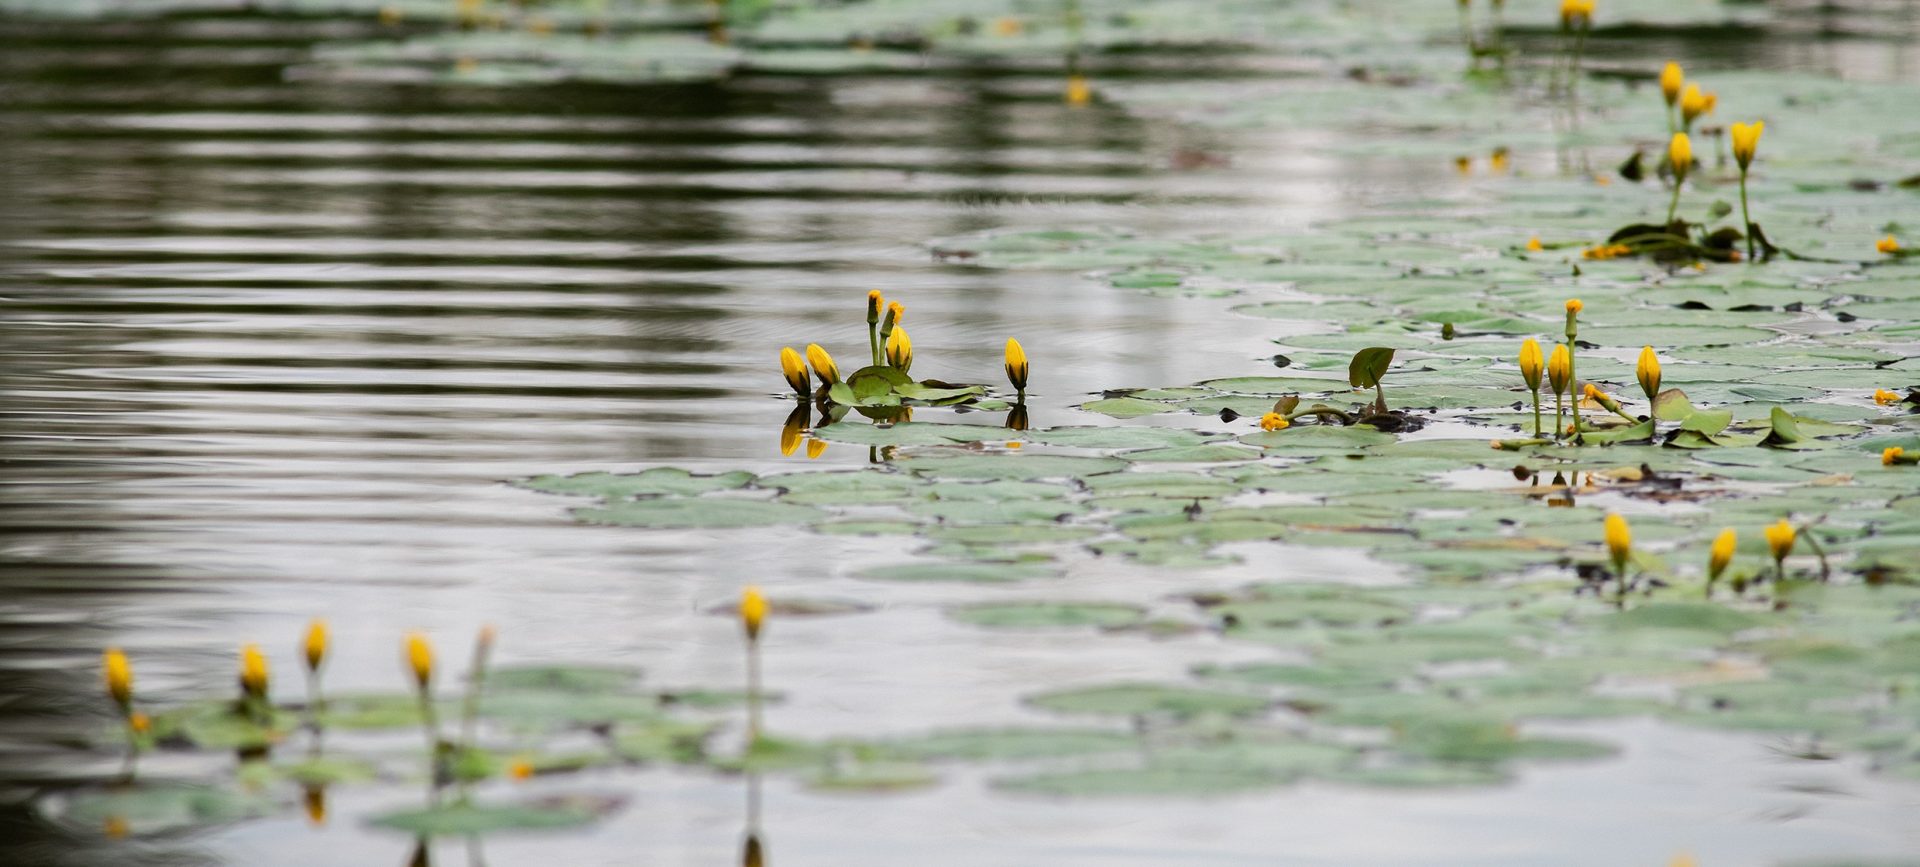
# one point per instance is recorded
(253, 670)
(823, 366)
(119, 676)
(1887, 245)
(420, 659)
(1680, 155)
(1534, 245)
(1746, 141)
(1274, 421)
(1559, 368)
(1648, 372)
(900, 350)
(1780, 538)
(794, 369)
(1891, 455)
(1884, 397)
(1079, 92)
(1721, 554)
(1671, 79)
(316, 644)
(1531, 363)
(753, 611)
(816, 448)
(1694, 102)
(1016, 365)
(1619, 542)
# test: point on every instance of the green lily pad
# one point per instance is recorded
(1137, 699)
(466, 819)
(1030, 615)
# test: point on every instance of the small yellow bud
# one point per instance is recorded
(1274, 421)
(794, 369)
(900, 350)
(896, 312)
(816, 448)
(753, 611)
(1683, 859)
(1560, 368)
(119, 675)
(520, 769)
(1887, 245)
(1884, 397)
(1498, 161)
(875, 303)
(1671, 79)
(1079, 92)
(1746, 141)
(823, 366)
(1693, 103)
(316, 644)
(140, 723)
(1534, 245)
(1531, 363)
(1463, 165)
(253, 670)
(1780, 538)
(1016, 365)
(1680, 155)
(1721, 554)
(1619, 542)
(1648, 372)
(1891, 455)
(1574, 306)
(420, 659)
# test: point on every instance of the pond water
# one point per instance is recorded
(272, 350)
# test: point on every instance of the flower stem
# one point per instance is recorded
(1536, 413)
(1674, 206)
(753, 692)
(1745, 217)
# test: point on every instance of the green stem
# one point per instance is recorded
(1673, 206)
(1536, 413)
(1573, 381)
(1559, 411)
(1573, 71)
(753, 691)
(873, 341)
(1379, 397)
(1745, 217)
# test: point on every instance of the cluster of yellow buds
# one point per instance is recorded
(1606, 251)
(1893, 455)
(1274, 421)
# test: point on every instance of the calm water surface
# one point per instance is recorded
(268, 350)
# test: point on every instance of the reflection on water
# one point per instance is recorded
(270, 346)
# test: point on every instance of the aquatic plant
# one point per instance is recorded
(1016, 364)
(1672, 79)
(1780, 538)
(1746, 141)
(753, 615)
(1619, 538)
(1680, 156)
(1718, 557)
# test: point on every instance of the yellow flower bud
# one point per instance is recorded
(1680, 155)
(315, 800)
(1534, 245)
(753, 611)
(420, 659)
(1721, 554)
(1531, 363)
(816, 448)
(794, 369)
(1016, 365)
(1619, 542)
(316, 644)
(874, 304)
(1694, 103)
(253, 670)
(1574, 307)
(1887, 245)
(1274, 421)
(1780, 537)
(1463, 165)
(1671, 78)
(900, 350)
(1648, 372)
(1498, 161)
(520, 769)
(1746, 140)
(1884, 397)
(823, 366)
(1891, 455)
(139, 722)
(119, 675)
(1559, 368)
